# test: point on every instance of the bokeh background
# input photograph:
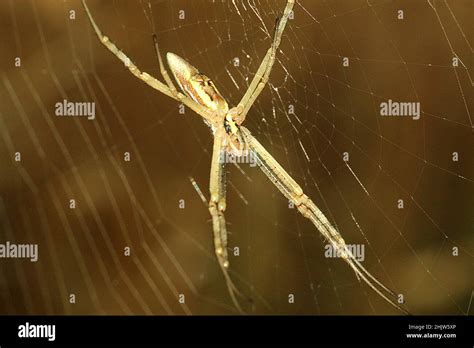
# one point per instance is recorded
(136, 204)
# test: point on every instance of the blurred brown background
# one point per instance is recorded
(136, 204)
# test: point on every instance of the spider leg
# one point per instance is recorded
(163, 70)
(261, 77)
(151, 81)
(291, 190)
(217, 206)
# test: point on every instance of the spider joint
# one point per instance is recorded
(236, 114)
(221, 205)
(303, 209)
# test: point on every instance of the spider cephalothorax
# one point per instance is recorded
(235, 142)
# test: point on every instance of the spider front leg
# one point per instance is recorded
(151, 81)
(145, 77)
(261, 77)
(163, 70)
(217, 205)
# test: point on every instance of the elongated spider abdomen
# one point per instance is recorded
(196, 85)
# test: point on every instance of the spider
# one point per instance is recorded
(198, 92)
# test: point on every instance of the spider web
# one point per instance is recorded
(319, 118)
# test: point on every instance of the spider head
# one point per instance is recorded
(195, 85)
